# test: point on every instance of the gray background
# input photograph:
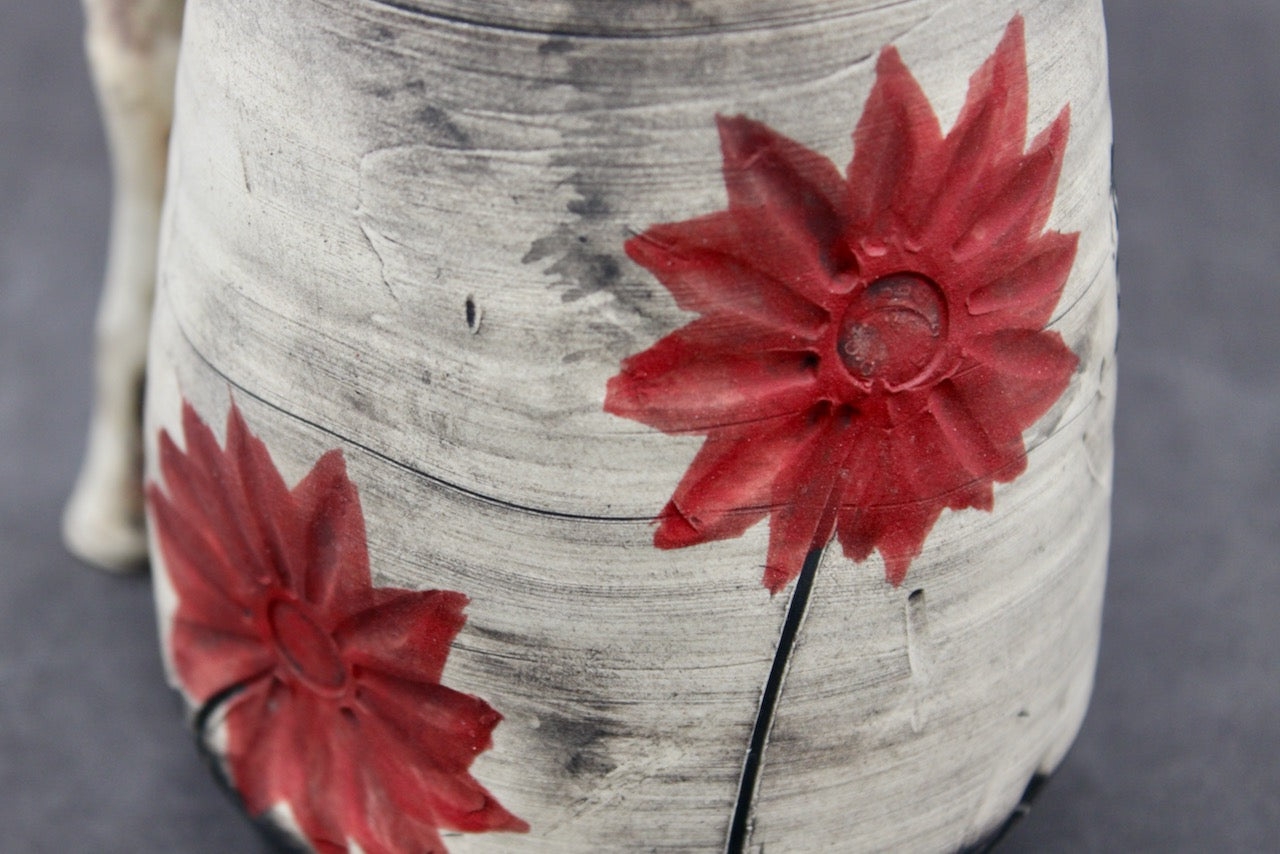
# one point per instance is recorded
(1181, 749)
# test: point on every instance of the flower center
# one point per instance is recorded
(306, 646)
(893, 329)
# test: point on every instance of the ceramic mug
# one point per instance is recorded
(634, 426)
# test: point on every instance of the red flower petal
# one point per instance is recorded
(407, 634)
(335, 561)
(728, 486)
(990, 131)
(968, 439)
(899, 481)
(713, 373)
(1049, 145)
(803, 495)
(884, 513)
(710, 268)
(209, 658)
(896, 148)
(788, 203)
(197, 564)
(383, 830)
(800, 189)
(448, 799)
(1001, 82)
(897, 531)
(997, 97)
(444, 728)
(868, 458)
(1018, 377)
(1014, 202)
(925, 467)
(1024, 296)
(292, 756)
(275, 516)
(202, 488)
(264, 736)
(242, 526)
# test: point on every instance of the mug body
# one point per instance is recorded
(583, 427)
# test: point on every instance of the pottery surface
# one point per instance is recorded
(408, 291)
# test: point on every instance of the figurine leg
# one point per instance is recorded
(132, 47)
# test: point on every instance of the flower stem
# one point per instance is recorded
(200, 729)
(740, 827)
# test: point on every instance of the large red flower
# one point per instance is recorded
(339, 711)
(871, 347)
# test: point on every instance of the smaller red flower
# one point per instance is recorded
(339, 711)
(871, 345)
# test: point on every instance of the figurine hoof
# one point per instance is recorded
(101, 537)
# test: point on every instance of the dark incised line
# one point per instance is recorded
(739, 828)
(200, 727)
(479, 496)
(435, 479)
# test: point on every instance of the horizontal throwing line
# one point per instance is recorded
(453, 487)
(1065, 421)
(533, 30)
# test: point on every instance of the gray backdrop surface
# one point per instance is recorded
(1181, 749)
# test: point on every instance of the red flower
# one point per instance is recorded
(340, 712)
(872, 347)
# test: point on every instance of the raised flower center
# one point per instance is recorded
(893, 329)
(305, 645)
